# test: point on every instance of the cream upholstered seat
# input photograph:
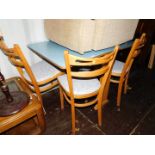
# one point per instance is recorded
(42, 71)
(118, 67)
(80, 86)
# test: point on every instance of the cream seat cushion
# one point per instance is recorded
(118, 67)
(80, 86)
(42, 71)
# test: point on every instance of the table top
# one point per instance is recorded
(54, 53)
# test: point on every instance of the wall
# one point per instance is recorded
(22, 32)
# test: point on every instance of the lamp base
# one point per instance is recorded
(20, 100)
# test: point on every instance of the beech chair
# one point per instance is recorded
(121, 70)
(85, 81)
(44, 73)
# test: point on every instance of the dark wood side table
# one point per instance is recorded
(11, 102)
(28, 125)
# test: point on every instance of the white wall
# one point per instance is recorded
(22, 32)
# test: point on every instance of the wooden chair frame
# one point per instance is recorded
(124, 75)
(12, 57)
(105, 62)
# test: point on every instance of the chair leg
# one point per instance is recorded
(41, 119)
(119, 93)
(105, 95)
(61, 98)
(35, 120)
(99, 108)
(126, 85)
(73, 118)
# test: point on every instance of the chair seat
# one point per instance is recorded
(118, 67)
(43, 71)
(80, 86)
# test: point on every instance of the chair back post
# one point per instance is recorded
(69, 78)
(106, 81)
(4, 48)
(2, 43)
(143, 38)
(130, 58)
(27, 68)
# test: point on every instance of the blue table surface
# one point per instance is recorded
(54, 53)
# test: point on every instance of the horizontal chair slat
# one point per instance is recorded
(90, 61)
(16, 62)
(87, 74)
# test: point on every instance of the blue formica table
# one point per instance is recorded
(54, 53)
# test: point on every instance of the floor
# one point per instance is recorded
(137, 115)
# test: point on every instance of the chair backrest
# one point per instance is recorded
(98, 67)
(142, 41)
(136, 48)
(17, 59)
